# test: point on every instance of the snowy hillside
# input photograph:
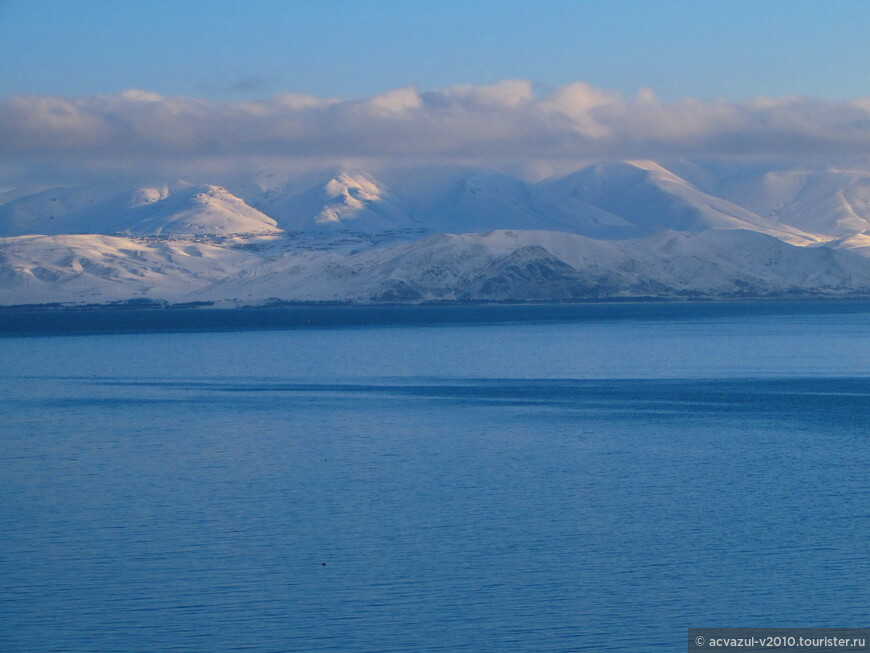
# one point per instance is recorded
(482, 200)
(653, 198)
(95, 269)
(830, 201)
(49, 211)
(178, 208)
(612, 229)
(204, 209)
(496, 266)
(345, 200)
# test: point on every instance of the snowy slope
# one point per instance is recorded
(50, 211)
(95, 268)
(654, 199)
(524, 265)
(440, 200)
(831, 201)
(344, 200)
(734, 261)
(624, 229)
(204, 209)
(495, 266)
(608, 200)
(856, 243)
(178, 208)
(482, 200)
(21, 191)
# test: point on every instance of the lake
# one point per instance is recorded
(453, 478)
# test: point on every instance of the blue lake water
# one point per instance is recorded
(590, 478)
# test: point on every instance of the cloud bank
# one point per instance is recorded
(504, 121)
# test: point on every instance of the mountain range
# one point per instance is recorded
(615, 229)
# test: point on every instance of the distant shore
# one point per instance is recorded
(168, 318)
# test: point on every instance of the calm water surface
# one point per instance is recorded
(571, 479)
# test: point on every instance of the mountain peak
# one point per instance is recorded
(343, 198)
(655, 199)
(155, 192)
(200, 209)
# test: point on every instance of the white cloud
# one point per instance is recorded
(513, 93)
(402, 100)
(499, 122)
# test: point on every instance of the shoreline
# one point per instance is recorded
(140, 304)
(93, 320)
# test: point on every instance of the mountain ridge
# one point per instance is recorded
(615, 229)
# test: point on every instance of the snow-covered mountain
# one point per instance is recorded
(829, 201)
(612, 229)
(495, 266)
(96, 269)
(857, 243)
(46, 212)
(203, 209)
(482, 200)
(178, 209)
(611, 200)
(352, 200)
(447, 201)
(653, 198)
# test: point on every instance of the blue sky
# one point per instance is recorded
(253, 49)
(168, 88)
